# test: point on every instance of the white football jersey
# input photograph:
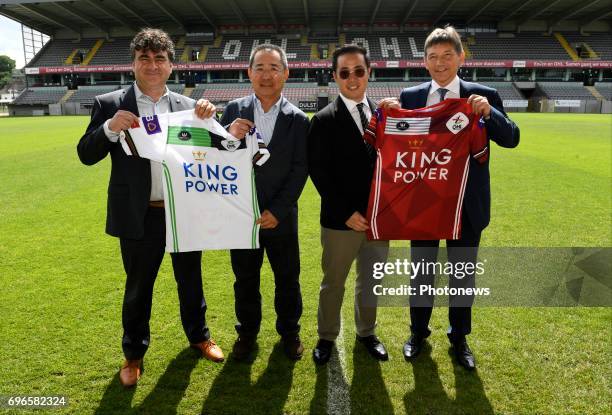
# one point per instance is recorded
(208, 181)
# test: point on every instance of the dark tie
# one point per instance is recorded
(442, 92)
(364, 124)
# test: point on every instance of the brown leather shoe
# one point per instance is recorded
(210, 350)
(130, 372)
(294, 349)
(243, 347)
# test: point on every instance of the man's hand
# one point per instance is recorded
(480, 105)
(204, 109)
(267, 220)
(240, 127)
(389, 103)
(357, 222)
(122, 120)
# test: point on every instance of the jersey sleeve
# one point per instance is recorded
(146, 138)
(479, 143)
(258, 146)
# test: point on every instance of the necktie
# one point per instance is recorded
(442, 92)
(364, 124)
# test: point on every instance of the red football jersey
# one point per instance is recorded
(422, 166)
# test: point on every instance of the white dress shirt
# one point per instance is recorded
(434, 95)
(265, 121)
(352, 107)
(147, 107)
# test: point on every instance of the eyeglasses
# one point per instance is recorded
(345, 73)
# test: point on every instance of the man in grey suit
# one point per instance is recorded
(279, 183)
(135, 210)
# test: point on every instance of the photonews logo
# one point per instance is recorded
(184, 135)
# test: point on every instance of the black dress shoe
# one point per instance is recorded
(375, 347)
(413, 346)
(294, 349)
(243, 347)
(464, 355)
(322, 351)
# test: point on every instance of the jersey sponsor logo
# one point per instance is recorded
(408, 126)
(457, 122)
(151, 124)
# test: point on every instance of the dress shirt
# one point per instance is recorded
(352, 107)
(434, 96)
(265, 121)
(147, 107)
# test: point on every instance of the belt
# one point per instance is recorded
(156, 203)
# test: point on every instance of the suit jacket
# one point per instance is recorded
(339, 164)
(500, 128)
(129, 188)
(281, 179)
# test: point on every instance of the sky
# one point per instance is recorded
(10, 40)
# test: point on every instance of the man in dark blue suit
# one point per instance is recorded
(443, 57)
(279, 183)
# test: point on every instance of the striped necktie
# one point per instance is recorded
(364, 124)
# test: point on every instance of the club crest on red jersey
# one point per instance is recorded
(457, 122)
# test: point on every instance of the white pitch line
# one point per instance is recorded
(338, 397)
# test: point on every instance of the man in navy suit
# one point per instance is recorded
(443, 57)
(279, 183)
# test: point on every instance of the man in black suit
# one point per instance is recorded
(341, 165)
(279, 183)
(443, 57)
(135, 210)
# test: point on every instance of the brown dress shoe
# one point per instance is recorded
(130, 372)
(294, 349)
(243, 347)
(210, 350)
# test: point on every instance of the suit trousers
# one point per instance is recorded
(340, 249)
(284, 256)
(464, 249)
(141, 260)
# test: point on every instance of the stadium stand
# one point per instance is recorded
(57, 51)
(506, 90)
(391, 47)
(41, 96)
(113, 52)
(517, 46)
(86, 94)
(235, 48)
(605, 89)
(409, 45)
(601, 44)
(565, 90)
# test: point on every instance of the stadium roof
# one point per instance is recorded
(106, 16)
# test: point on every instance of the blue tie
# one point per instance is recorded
(442, 92)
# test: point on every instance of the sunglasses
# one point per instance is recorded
(345, 73)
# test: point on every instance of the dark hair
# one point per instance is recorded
(269, 47)
(448, 34)
(155, 40)
(349, 49)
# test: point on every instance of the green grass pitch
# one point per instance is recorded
(62, 284)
